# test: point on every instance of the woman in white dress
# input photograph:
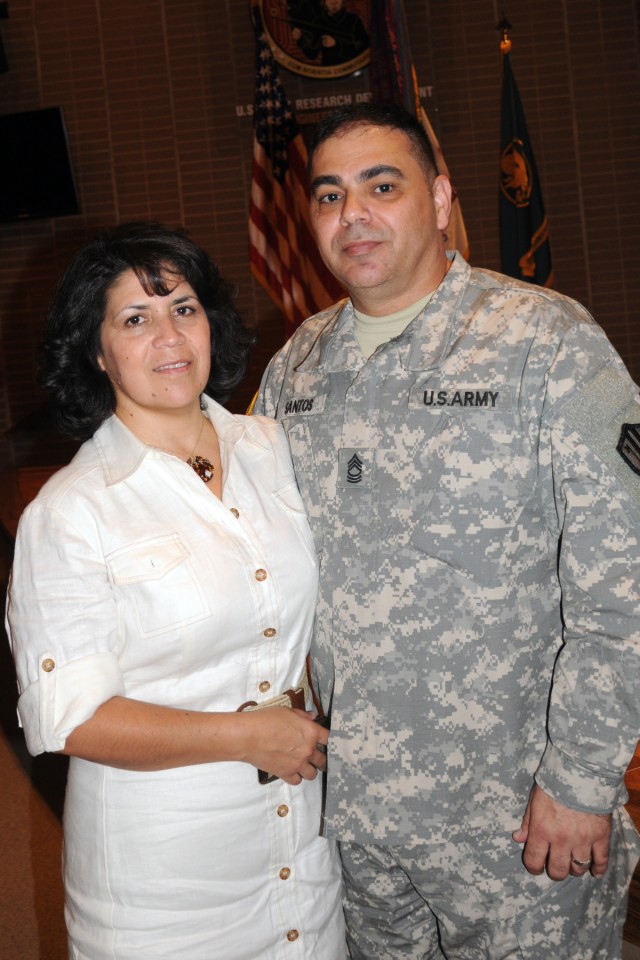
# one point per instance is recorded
(163, 592)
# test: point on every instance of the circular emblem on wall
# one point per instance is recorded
(318, 38)
(516, 181)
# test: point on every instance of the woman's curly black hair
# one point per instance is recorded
(69, 368)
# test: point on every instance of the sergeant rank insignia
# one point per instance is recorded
(629, 445)
(354, 469)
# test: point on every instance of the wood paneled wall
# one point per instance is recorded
(155, 95)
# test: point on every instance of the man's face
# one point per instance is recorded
(377, 219)
(333, 6)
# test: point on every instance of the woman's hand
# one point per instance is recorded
(143, 736)
(285, 742)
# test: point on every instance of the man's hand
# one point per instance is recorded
(555, 837)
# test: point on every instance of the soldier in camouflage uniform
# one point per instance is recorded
(468, 449)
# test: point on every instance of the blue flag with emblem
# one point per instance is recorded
(524, 230)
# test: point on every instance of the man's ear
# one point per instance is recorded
(442, 198)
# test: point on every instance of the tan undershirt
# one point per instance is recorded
(372, 331)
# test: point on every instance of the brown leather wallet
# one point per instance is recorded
(296, 698)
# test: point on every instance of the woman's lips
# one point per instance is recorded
(169, 367)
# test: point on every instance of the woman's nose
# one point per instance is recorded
(168, 332)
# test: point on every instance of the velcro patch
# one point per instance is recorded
(629, 445)
(604, 412)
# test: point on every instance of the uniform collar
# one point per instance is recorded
(429, 336)
(424, 342)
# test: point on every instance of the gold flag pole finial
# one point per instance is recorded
(505, 43)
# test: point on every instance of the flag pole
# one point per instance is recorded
(524, 229)
(505, 42)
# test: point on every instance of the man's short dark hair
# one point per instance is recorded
(69, 370)
(344, 119)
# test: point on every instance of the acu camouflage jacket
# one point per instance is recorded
(474, 493)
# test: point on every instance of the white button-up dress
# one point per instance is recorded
(131, 579)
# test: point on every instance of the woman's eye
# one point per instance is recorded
(134, 321)
(184, 311)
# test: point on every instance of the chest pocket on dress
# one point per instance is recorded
(155, 576)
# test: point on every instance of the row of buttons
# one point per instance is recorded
(285, 873)
(270, 632)
(261, 576)
(283, 810)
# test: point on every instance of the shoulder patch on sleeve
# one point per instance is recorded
(629, 445)
(606, 415)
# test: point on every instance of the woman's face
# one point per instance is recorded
(155, 350)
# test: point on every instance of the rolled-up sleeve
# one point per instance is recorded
(62, 626)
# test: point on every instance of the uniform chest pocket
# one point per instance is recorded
(157, 579)
(480, 475)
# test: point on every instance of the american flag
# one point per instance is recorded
(283, 252)
(393, 80)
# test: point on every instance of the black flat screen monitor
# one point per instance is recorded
(36, 178)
